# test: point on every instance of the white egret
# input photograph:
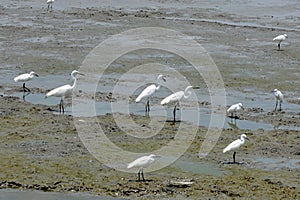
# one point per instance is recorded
(278, 97)
(235, 145)
(149, 91)
(177, 96)
(234, 109)
(64, 90)
(279, 39)
(49, 3)
(24, 78)
(142, 163)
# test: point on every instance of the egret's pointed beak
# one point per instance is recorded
(164, 78)
(196, 87)
(36, 75)
(247, 139)
(81, 74)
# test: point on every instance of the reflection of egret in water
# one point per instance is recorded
(24, 95)
(232, 124)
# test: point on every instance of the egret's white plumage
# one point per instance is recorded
(64, 90)
(141, 163)
(235, 108)
(279, 39)
(235, 145)
(149, 91)
(24, 78)
(278, 98)
(177, 96)
(49, 3)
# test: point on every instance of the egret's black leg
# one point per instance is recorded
(25, 89)
(139, 176)
(143, 174)
(234, 157)
(280, 106)
(276, 105)
(232, 115)
(174, 113)
(278, 46)
(148, 106)
(62, 106)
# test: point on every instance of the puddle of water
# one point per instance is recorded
(201, 117)
(202, 168)
(277, 163)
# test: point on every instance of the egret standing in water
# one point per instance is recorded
(24, 78)
(234, 109)
(49, 3)
(278, 97)
(142, 163)
(149, 91)
(62, 91)
(279, 39)
(177, 96)
(235, 145)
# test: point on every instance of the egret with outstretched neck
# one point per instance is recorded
(279, 39)
(149, 91)
(24, 78)
(142, 163)
(62, 91)
(278, 98)
(235, 145)
(176, 97)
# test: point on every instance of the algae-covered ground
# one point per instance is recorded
(41, 150)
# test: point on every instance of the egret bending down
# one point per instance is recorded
(62, 91)
(234, 109)
(142, 163)
(149, 91)
(235, 145)
(278, 97)
(50, 2)
(279, 39)
(24, 78)
(177, 96)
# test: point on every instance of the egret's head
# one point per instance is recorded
(244, 136)
(161, 77)
(34, 74)
(75, 72)
(285, 35)
(155, 156)
(275, 90)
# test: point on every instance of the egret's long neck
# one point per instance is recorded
(157, 84)
(187, 93)
(242, 140)
(75, 81)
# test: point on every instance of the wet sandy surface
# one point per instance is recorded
(41, 150)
